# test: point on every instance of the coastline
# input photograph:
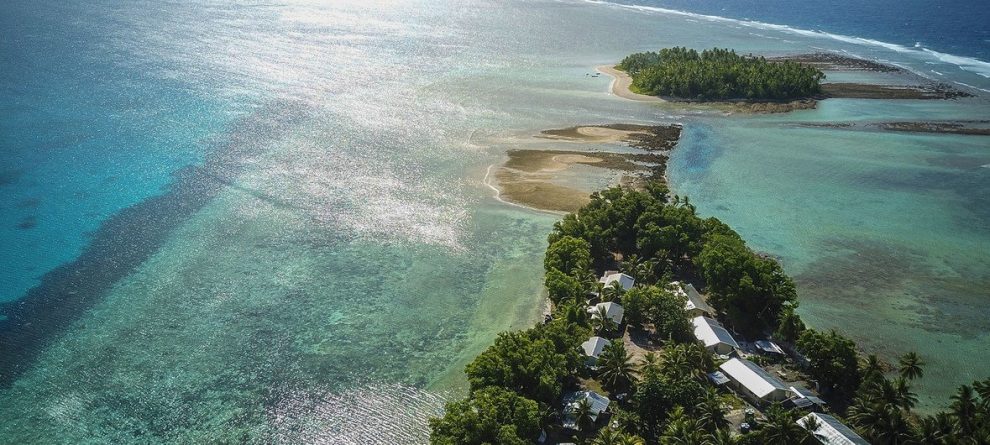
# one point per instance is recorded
(621, 83)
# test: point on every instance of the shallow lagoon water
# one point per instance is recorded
(348, 260)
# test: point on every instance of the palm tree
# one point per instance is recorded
(574, 313)
(583, 417)
(612, 292)
(644, 271)
(782, 428)
(911, 365)
(650, 363)
(930, 431)
(615, 369)
(709, 411)
(722, 437)
(879, 421)
(964, 408)
(891, 426)
(604, 325)
(608, 436)
(683, 431)
(983, 389)
(629, 439)
(872, 370)
(700, 359)
(905, 398)
(675, 361)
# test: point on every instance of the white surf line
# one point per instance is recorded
(498, 195)
(969, 64)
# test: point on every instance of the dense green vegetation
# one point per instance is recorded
(517, 383)
(719, 74)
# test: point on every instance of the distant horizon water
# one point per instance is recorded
(952, 31)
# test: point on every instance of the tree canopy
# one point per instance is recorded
(833, 360)
(719, 74)
(492, 415)
(533, 363)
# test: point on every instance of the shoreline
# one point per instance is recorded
(621, 83)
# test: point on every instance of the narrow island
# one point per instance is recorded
(664, 327)
(754, 84)
(667, 329)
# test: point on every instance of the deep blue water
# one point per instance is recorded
(956, 27)
(84, 133)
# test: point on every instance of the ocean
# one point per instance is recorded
(268, 222)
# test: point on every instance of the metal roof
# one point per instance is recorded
(593, 347)
(614, 311)
(831, 431)
(756, 379)
(694, 299)
(711, 333)
(598, 403)
(624, 280)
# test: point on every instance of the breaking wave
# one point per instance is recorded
(970, 64)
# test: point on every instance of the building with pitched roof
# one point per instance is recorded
(715, 338)
(830, 431)
(754, 382)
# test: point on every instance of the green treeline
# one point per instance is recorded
(719, 74)
(516, 385)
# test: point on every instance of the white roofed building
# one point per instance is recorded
(754, 382)
(613, 311)
(613, 276)
(598, 403)
(592, 349)
(830, 431)
(715, 338)
(696, 305)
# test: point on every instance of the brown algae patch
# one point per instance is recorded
(647, 137)
(543, 195)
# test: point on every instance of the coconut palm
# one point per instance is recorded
(574, 313)
(612, 292)
(629, 439)
(650, 363)
(879, 421)
(983, 389)
(608, 436)
(891, 426)
(872, 370)
(905, 398)
(603, 324)
(687, 359)
(722, 437)
(964, 408)
(583, 416)
(683, 431)
(709, 411)
(782, 428)
(700, 359)
(931, 431)
(644, 271)
(615, 368)
(675, 361)
(911, 365)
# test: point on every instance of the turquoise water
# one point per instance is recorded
(886, 234)
(268, 223)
